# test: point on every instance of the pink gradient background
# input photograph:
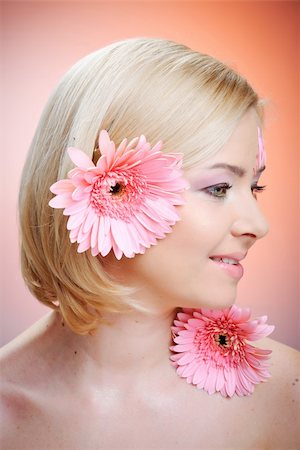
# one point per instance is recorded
(41, 40)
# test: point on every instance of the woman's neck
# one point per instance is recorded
(133, 347)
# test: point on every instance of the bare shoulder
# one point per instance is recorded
(279, 401)
(19, 356)
(283, 388)
(285, 362)
(267, 417)
(16, 408)
(19, 395)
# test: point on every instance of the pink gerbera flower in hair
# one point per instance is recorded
(212, 352)
(126, 201)
(261, 154)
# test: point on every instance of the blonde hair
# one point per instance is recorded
(156, 87)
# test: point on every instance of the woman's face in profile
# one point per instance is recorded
(221, 217)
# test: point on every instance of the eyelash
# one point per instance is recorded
(255, 189)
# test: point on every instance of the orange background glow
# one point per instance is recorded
(41, 40)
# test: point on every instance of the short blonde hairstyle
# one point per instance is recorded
(156, 87)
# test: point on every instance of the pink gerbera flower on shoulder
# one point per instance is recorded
(212, 351)
(124, 202)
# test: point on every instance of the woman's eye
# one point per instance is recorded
(255, 189)
(218, 190)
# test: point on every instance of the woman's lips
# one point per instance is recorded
(234, 270)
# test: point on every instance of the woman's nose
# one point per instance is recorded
(250, 220)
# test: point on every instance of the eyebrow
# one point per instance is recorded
(239, 171)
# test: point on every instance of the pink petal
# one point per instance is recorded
(117, 251)
(106, 225)
(142, 141)
(184, 340)
(248, 327)
(83, 246)
(101, 234)
(89, 178)
(183, 316)
(95, 230)
(123, 161)
(149, 224)
(61, 201)
(75, 220)
(200, 376)
(220, 380)
(187, 333)
(246, 384)
(62, 187)
(121, 236)
(104, 141)
(164, 209)
(110, 154)
(90, 219)
(195, 323)
(107, 147)
(230, 382)
(175, 357)
(158, 146)
(261, 332)
(94, 251)
(121, 148)
(182, 348)
(150, 212)
(210, 382)
(132, 143)
(82, 236)
(106, 248)
(102, 164)
(74, 234)
(76, 207)
(80, 158)
(138, 235)
(186, 358)
(190, 369)
(80, 194)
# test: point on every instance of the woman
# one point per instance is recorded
(95, 373)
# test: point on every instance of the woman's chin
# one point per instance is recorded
(221, 304)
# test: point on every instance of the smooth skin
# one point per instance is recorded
(117, 389)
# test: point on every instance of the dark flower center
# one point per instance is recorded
(116, 189)
(221, 339)
(119, 194)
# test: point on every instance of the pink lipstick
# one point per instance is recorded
(230, 264)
